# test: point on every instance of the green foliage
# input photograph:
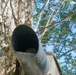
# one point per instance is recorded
(74, 18)
(63, 34)
(69, 68)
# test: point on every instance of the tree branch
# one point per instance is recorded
(51, 25)
(50, 21)
(66, 53)
(41, 9)
(47, 1)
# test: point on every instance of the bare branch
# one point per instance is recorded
(51, 25)
(41, 14)
(45, 30)
(66, 53)
(41, 10)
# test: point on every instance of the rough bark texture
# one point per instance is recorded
(29, 12)
(29, 4)
(12, 14)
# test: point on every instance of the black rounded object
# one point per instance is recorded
(24, 38)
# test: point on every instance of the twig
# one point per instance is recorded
(66, 53)
(41, 14)
(55, 14)
(45, 30)
(51, 25)
(41, 10)
(51, 44)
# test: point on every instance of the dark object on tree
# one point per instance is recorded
(24, 38)
(29, 51)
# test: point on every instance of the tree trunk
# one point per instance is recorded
(29, 4)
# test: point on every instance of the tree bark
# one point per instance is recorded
(29, 4)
